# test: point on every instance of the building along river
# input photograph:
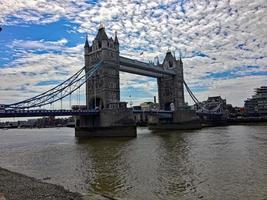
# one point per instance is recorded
(213, 163)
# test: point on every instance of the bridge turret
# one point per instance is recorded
(86, 44)
(169, 61)
(181, 62)
(116, 42)
(111, 42)
(101, 39)
(87, 50)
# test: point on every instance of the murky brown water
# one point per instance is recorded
(212, 163)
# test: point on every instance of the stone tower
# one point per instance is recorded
(104, 87)
(170, 89)
(113, 118)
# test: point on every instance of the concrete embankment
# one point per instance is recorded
(14, 186)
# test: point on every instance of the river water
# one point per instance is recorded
(212, 163)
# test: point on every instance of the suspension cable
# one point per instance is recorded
(191, 93)
(197, 102)
(70, 97)
(51, 90)
(61, 100)
(79, 91)
(53, 96)
(77, 97)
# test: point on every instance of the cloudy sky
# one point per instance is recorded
(223, 43)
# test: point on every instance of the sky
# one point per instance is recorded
(223, 44)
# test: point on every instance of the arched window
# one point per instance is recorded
(170, 64)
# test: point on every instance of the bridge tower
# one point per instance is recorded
(104, 87)
(103, 92)
(170, 88)
(171, 97)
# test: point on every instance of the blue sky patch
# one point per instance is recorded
(236, 72)
(199, 53)
(50, 82)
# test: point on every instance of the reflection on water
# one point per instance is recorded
(213, 163)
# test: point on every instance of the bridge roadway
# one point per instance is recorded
(143, 68)
(43, 113)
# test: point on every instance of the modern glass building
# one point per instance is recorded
(257, 105)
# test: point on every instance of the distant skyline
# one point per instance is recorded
(223, 44)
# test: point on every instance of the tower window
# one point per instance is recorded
(170, 64)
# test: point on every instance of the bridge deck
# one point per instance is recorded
(42, 113)
(142, 68)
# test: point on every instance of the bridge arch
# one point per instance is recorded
(169, 106)
(96, 102)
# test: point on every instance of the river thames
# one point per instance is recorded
(213, 163)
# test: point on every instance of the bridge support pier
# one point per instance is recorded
(181, 120)
(109, 123)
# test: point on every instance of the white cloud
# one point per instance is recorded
(232, 33)
(20, 78)
(235, 90)
(39, 45)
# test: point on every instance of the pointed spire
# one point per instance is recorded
(101, 35)
(116, 38)
(169, 51)
(174, 55)
(86, 42)
(158, 61)
(180, 56)
(169, 57)
(101, 26)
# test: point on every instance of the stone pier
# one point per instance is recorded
(181, 120)
(109, 123)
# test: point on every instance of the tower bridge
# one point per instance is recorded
(106, 115)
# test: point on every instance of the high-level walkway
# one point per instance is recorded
(143, 68)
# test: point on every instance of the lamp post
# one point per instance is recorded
(95, 89)
(131, 102)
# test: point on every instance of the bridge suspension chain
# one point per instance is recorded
(60, 91)
(202, 108)
(51, 91)
(191, 94)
